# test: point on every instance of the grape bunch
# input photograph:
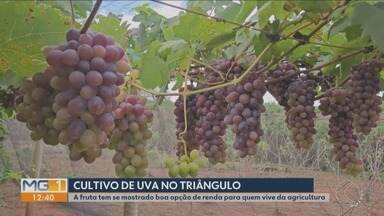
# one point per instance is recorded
(301, 112)
(211, 109)
(279, 89)
(365, 85)
(129, 137)
(337, 104)
(209, 128)
(245, 105)
(35, 108)
(185, 166)
(85, 72)
(190, 136)
(224, 69)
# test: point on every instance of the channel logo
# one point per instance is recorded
(47, 189)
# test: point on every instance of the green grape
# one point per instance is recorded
(184, 158)
(88, 118)
(88, 138)
(193, 169)
(79, 147)
(173, 171)
(141, 172)
(144, 162)
(183, 169)
(129, 152)
(200, 162)
(124, 162)
(169, 162)
(35, 136)
(48, 122)
(116, 136)
(194, 154)
(74, 155)
(130, 171)
(136, 160)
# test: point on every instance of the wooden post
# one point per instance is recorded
(131, 209)
(35, 171)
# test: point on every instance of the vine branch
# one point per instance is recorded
(218, 19)
(300, 43)
(210, 67)
(154, 92)
(240, 78)
(329, 45)
(72, 13)
(91, 17)
(159, 99)
(235, 80)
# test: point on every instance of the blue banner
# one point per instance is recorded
(224, 185)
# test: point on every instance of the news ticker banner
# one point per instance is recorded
(170, 190)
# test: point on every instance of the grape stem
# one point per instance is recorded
(336, 60)
(288, 36)
(72, 13)
(209, 66)
(328, 45)
(91, 16)
(159, 99)
(185, 91)
(154, 92)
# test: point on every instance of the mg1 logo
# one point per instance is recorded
(43, 185)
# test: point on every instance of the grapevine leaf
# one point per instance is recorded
(178, 82)
(171, 46)
(209, 5)
(177, 54)
(229, 11)
(270, 8)
(314, 6)
(345, 67)
(305, 53)
(247, 8)
(219, 40)
(370, 17)
(339, 26)
(382, 79)
(9, 78)
(352, 31)
(154, 70)
(111, 25)
(151, 28)
(25, 28)
(380, 5)
(134, 57)
(243, 43)
(275, 51)
(194, 28)
(80, 8)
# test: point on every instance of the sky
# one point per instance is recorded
(125, 9)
